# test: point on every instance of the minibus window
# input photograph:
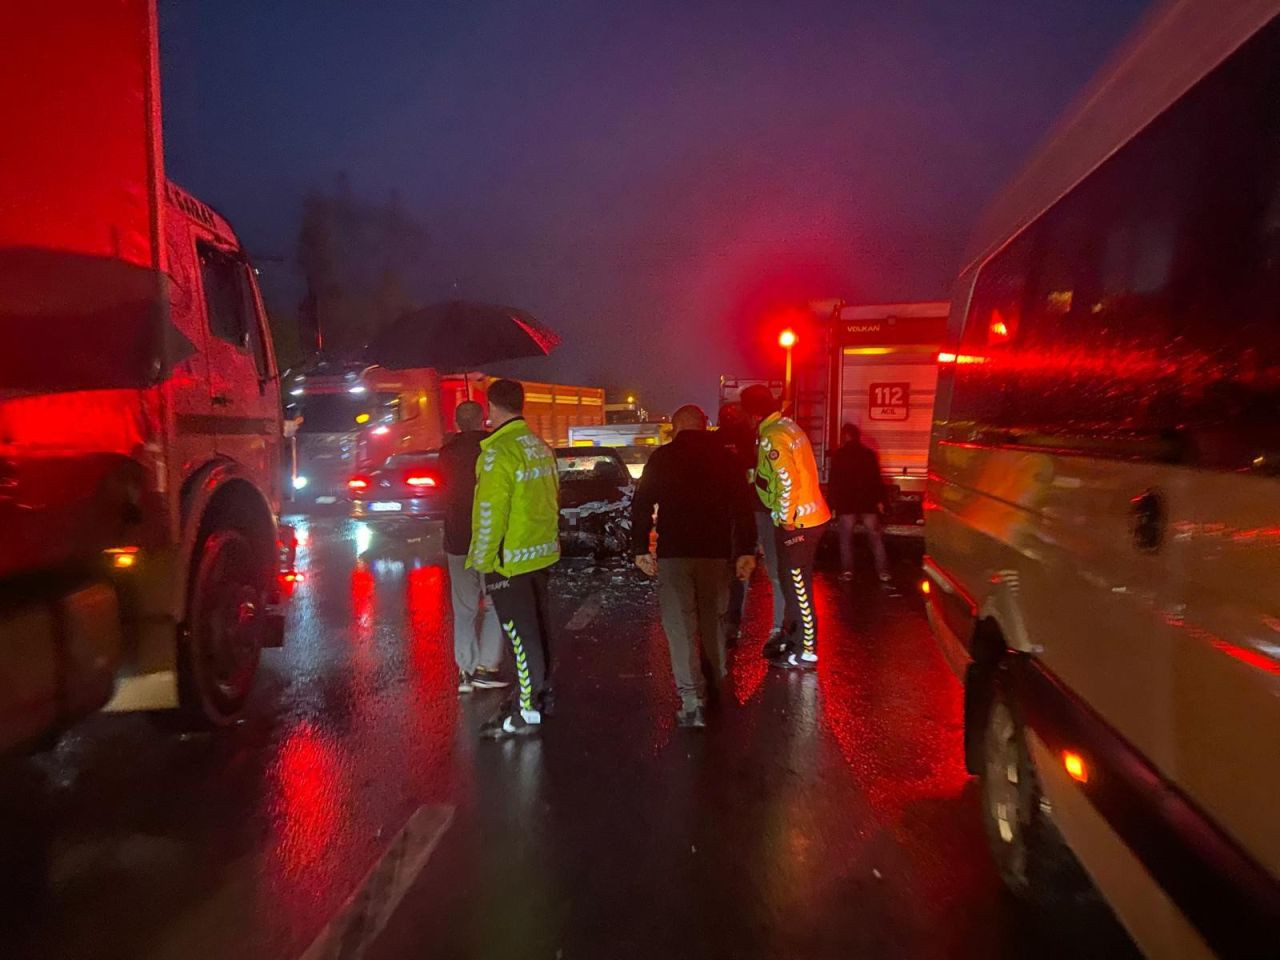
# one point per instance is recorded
(1138, 315)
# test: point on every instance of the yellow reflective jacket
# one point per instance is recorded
(787, 475)
(515, 523)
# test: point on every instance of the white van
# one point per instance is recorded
(1103, 508)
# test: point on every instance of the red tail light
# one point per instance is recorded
(421, 480)
(358, 484)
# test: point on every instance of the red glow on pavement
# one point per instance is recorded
(311, 798)
(431, 632)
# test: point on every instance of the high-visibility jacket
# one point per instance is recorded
(515, 523)
(787, 475)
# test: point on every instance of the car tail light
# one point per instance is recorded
(421, 480)
(358, 484)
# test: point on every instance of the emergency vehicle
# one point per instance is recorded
(875, 366)
(140, 423)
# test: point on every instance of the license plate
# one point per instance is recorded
(385, 506)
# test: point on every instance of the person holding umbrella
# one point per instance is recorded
(478, 654)
(515, 539)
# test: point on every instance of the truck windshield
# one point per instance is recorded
(338, 412)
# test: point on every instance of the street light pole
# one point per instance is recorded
(787, 340)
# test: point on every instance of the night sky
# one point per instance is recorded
(649, 178)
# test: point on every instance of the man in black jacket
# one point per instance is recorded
(705, 521)
(477, 637)
(857, 495)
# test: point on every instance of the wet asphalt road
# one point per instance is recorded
(819, 816)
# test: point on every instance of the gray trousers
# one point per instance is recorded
(477, 637)
(768, 543)
(692, 592)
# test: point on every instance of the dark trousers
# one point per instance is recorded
(521, 605)
(797, 551)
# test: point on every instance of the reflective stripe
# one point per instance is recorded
(807, 620)
(522, 665)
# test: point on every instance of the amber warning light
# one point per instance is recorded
(1075, 766)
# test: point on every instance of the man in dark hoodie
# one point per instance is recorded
(857, 495)
(477, 637)
(706, 533)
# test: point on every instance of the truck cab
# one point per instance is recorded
(140, 423)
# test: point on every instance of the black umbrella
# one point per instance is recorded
(460, 335)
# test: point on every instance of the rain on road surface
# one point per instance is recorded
(820, 816)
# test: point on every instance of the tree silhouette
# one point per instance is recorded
(358, 259)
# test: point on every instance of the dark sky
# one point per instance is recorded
(647, 177)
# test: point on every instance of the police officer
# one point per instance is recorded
(787, 482)
(515, 539)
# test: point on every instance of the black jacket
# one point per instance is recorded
(703, 499)
(857, 485)
(458, 459)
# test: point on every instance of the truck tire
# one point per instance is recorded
(219, 655)
(1030, 854)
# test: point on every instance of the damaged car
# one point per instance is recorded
(595, 503)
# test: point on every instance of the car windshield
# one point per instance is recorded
(635, 455)
(590, 466)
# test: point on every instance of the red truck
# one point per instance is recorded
(140, 423)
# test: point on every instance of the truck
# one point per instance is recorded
(348, 418)
(140, 424)
(634, 442)
(875, 366)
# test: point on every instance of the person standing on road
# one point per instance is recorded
(477, 638)
(704, 525)
(739, 438)
(857, 496)
(742, 439)
(515, 539)
(788, 484)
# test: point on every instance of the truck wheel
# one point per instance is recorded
(1032, 858)
(224, 629)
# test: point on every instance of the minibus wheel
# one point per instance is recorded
(1032, 858)
(222, 647)
(1009, 793)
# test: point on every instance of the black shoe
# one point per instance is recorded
(486, 679)
(775, 645)
(510, 724)
(692, 719)
(795, 660)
